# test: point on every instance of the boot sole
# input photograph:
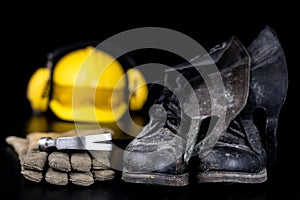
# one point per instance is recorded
(231, 177)
(156, 179)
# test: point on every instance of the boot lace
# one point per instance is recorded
(167, 106)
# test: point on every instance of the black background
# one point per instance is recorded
(29, 32)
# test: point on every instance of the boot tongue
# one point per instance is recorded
(234, 134)
(170, 103)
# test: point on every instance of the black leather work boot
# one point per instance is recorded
(214, 84)
(243, 151)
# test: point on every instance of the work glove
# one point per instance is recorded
(80, 167)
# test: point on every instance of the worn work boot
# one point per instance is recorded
(243, 151)
(214, 84)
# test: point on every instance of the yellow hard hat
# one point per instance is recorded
(87, 85)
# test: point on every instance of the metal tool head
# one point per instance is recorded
(46, 143)
(97, 142)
